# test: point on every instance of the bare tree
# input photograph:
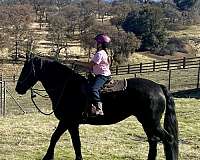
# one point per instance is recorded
(103, 9)
(16, 20)
(57, 34)
(71, 13)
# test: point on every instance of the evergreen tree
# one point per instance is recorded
(185, 4)
(148, 24)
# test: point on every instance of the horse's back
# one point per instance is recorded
(147, 97)
(142, 84)
(145, 91)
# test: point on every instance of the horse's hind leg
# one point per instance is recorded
(61, 128)
(156, 134)
(167, 140)
(74, 133)
(153, 140)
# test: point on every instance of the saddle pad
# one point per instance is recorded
(115, 85)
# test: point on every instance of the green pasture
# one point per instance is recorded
(26, 137)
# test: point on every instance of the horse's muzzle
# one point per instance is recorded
(20, 91)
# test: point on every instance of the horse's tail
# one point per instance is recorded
(171, 126)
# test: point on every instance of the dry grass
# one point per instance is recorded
(192, 34)
(190, 31)
(26, 137)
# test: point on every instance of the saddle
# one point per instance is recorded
(110, 86)
(115, 85)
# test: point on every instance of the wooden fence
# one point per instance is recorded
(135, 69)
(164, 65)
(183, 63)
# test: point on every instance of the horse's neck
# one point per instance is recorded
(54, 80)
(53, 91)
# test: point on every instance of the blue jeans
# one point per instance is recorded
(95, 86)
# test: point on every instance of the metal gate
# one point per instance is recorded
(2, 98)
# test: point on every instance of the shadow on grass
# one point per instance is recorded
(190, 93)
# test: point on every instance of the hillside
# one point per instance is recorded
(43, 46)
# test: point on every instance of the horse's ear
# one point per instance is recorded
(29, 56)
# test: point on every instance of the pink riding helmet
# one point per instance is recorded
(102, 38)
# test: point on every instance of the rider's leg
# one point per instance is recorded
(99, 81)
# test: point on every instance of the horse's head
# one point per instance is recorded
(28, 76)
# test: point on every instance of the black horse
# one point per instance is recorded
(142, 98)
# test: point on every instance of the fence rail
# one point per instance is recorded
(166, 65)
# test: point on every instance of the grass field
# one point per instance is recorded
(26, 137)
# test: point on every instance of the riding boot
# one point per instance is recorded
(99, 110)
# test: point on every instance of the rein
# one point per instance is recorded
(33, 95)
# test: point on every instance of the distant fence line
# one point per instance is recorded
(170, 64)
(183, 63)
(155, 66)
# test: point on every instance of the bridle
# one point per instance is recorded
(35, 92)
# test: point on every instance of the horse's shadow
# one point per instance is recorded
(190, 93)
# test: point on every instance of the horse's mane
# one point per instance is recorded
(59, 69)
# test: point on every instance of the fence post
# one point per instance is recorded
(184, 60)
(198, 76)
(154, 65)
(140, 67)
(168, 64)
(169, 82)
(128, 68)
(116, 71)
(14, 78)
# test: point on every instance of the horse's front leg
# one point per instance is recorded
(61, 128)
(74, 133)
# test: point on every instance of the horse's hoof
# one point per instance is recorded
(79, 158)
(47, 158)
